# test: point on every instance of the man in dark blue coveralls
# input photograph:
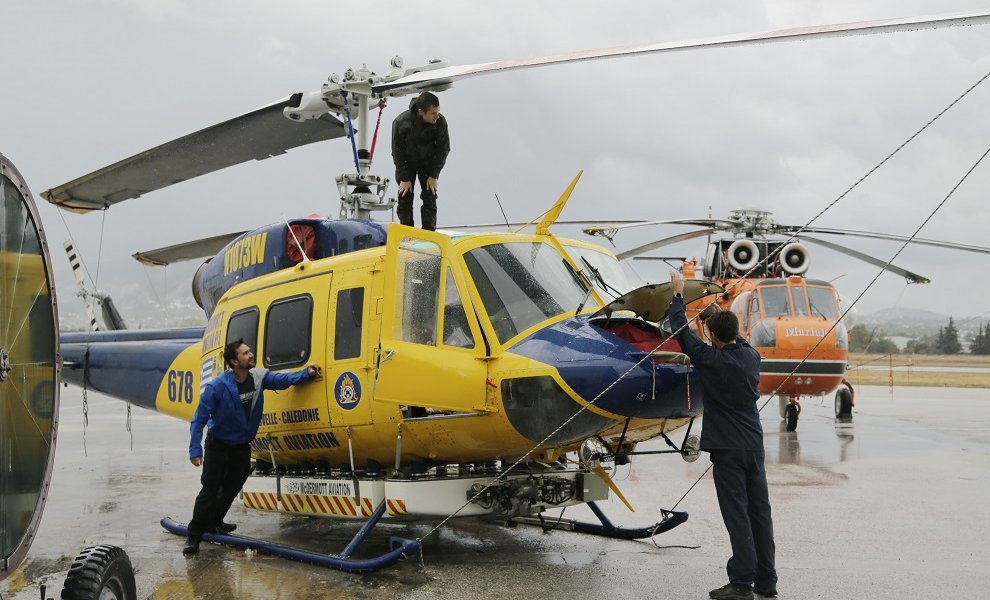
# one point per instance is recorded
(232, 406)
(730, 374)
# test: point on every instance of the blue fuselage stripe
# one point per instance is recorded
(590, 359)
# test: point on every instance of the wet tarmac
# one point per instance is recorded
(894, 504)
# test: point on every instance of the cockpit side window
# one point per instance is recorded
(456, 331)
(754, 309)
(775, 302)
(419, 276)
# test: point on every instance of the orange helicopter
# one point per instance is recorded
(798, 325)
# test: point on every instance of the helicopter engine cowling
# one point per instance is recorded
(743, 255)
(794, 259)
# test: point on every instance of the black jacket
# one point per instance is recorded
(418, 147)
(730, 377)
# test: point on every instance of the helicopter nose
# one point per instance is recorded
(611, 373)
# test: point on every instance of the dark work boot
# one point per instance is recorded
(731, 591)
(191, 547)
(225, 527)
(769, 591)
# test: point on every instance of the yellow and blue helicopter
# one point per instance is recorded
(476, 374)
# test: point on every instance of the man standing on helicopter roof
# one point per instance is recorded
(420, 145)
(231, 406)
(733, 436)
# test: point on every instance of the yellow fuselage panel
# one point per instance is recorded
(346, 411)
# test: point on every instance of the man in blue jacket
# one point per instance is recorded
(733, 436)
(231, 407)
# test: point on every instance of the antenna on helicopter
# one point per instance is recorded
(108, 311)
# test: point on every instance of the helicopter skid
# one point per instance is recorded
(606, 528)
(424, 497)
(399, 548)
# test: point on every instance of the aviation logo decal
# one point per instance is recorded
(347, 390)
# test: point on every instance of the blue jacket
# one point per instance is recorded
(730, 379)
(221, 410)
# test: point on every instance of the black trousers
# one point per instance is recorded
(429, 209)
(741, 486)
(225, 469)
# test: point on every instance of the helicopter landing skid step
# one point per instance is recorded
(399, 548)
(606, 528)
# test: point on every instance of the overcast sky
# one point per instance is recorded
(783, 127)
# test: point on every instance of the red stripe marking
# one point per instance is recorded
(269, 500)
(340, 505)
(312, 506)
(349, 505)
(391, 507)
(325, 504)
(247, 500)
(366, 507)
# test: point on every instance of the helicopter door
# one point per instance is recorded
(349, 363)
(431, 357)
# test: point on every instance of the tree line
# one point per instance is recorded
(946, 341)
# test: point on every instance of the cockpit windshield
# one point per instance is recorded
(775, 301)
(522, 284)
(616, 281)
(778, 303)
(822, 301)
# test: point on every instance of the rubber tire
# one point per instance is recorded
(100, 573)
(843, 403)
(791, 417)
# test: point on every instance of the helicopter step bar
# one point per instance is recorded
(670, 520)
(399, 548)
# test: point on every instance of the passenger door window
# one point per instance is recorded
(287, 332)
(348, 323)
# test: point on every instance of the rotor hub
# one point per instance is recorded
(4, 364)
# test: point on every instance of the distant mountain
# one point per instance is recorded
(916, 322)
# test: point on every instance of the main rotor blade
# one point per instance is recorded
(690, 235)
(888, 236)
(911, 277)
(605, 229)
(444, 76)
(257, 135)
(503, 224)
(186, 250)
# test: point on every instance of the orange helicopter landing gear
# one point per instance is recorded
(790, 409)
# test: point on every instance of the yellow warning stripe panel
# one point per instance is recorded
(261, 501)
(311, 504)
(396, 507)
